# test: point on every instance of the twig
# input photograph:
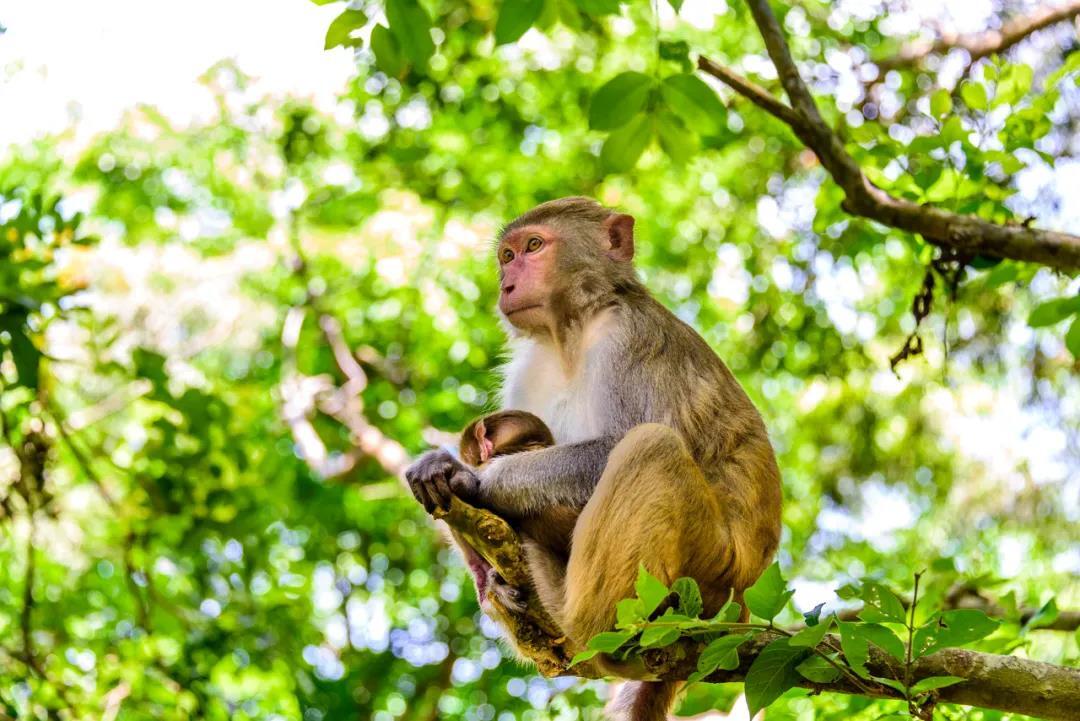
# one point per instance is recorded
(981, 45)
(752, 91)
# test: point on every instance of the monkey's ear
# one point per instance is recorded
(620, 229)
(484, 445)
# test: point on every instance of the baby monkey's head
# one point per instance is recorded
(501, 434)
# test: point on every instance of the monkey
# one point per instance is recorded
(656, 442)
(500, 434)
(512, 431)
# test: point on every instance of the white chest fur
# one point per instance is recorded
(536, 380)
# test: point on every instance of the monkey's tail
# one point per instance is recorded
(644, 700)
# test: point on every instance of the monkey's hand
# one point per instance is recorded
(437, 477)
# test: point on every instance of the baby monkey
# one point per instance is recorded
(501, 434)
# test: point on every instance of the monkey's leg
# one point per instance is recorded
(548, 575)
(652, 505)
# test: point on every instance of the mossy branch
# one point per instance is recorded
(1004, 683)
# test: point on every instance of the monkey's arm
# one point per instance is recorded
(529, 483)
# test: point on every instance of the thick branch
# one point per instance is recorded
(1005, 683)
(981, 45)
(965, 233)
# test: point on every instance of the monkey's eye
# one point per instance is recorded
(506, 255)
(534, 244)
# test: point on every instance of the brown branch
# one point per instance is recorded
(980, 45)
(1005, 683)
(752, 91)
(964, 233)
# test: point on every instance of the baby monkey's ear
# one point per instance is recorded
(483, 443)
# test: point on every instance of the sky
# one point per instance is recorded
(91, 60)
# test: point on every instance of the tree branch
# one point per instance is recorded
(964, 233)
(752, 91)
(1004, 683)
(980, 45)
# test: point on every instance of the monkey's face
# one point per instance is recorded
(526, 270)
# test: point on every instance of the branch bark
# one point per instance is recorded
(964, 233)
(980, 45)
(1004, 683)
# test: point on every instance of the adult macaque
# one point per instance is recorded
(656, 442)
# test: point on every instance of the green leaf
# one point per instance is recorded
(940, 103)
(768, 596)
(388, 57)
(583, 656)
(855, 647)
(676, 4)
(619, 100)
(650, 590)
(690, 97)
(598, 7)
(818, 670)
(813, 616)
(629, 611)
(25, 355)
(1072, 337)
(848, 591)
(891, 683)
(690, 603)
(1014, 84)
(881, 604)
(952, 628)
(729, 612)
(340, 30)
(515, 18)
(678, 141)
(974, 95)
(655, 636)
(811, 636)
(609, 641)
(412, 27)
(720, 653)
(932, 682)
(953, 131)
(677, 51)
(772, 673)
(1053, 311)
(624, 146)
(1049, 611)
(883, 638)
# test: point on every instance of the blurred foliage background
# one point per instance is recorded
(187, 529)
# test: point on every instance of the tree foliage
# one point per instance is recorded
(219, 344)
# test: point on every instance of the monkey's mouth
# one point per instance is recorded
(523, 308)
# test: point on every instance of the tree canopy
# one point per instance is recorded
(221, 343)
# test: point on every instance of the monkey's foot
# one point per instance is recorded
(510, 597)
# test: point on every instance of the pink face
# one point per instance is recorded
(526, 268)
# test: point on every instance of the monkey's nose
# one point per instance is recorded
(508, 289)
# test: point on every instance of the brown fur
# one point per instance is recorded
(510, 432)
(694, 493)
(656, 443)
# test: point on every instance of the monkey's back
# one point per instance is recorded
(679, 381)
